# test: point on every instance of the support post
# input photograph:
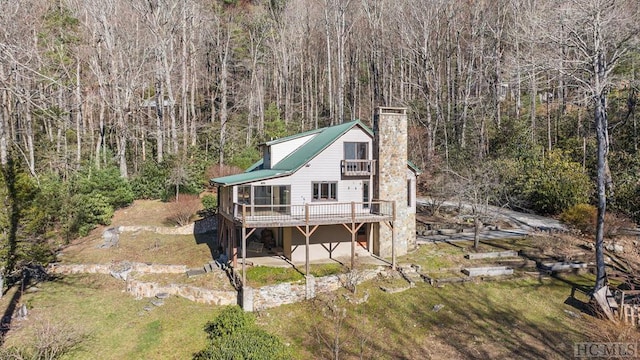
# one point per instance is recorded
(393, 238)
(353, 234)
(244, 250)
(306, 237)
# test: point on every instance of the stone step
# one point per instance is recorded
(491, 255)
(563, 266)
(488, 271)
(195, 272)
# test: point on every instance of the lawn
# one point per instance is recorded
(524, 318)
(527, 316)
(117, 326)
(142, 246)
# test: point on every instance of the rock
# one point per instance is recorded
(157, 302)
(572, 314)
(148, 308)
(195, 272)
(110, 237)
(121, 270)
(162, 295)
(22, 312)
(619, 249)
(437, 307)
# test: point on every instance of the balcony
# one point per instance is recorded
(358, 167)
(313, 214)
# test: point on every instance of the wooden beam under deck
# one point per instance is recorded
(295, 221)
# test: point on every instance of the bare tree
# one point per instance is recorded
(600, 34)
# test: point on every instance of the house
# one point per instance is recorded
(324, 193)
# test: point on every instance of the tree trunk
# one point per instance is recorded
(78, 109)
(159, 98)
(601, 136)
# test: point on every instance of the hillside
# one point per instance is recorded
(528, 315)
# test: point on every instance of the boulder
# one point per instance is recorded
(110, 237)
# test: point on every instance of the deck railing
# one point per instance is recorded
(310, 212)
(358, 167)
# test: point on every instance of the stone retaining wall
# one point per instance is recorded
(263, 298)
(182, 230)
(280, 294)
(142, 268)
(289, 293)
(141, 289)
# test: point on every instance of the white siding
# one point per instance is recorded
(325, 167)
(281, 150)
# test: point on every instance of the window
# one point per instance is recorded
(356, 151)
(325, 191)
(365, 194)
(409, 193)
(244, 194)
(276, 198)
(262, 195)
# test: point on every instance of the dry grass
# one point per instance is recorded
(516, 319)
(217, 280)
(142, 212)
(526, 318)
(143, 246)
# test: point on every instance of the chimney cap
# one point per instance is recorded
(391, 110)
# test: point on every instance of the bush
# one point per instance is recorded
(50, 341)
(182, 210)
(555, 184)
(581, 217)
(87, 211)
(151, 181)
(209, 202)
(234, 335)
(106, 182)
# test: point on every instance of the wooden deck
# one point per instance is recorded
(328, 213)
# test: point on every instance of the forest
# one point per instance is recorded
(103, 102)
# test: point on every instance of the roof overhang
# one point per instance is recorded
(248, 177)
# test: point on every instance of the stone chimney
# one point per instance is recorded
(390, 182)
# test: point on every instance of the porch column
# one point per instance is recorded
(393, 238)
(306, 239)
(244, 254)
(353, 234)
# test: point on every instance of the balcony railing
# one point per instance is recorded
(358, 167)
(314, 213)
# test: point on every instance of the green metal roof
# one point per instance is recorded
(248, 177)
(258, 165)
(297, 158)
(314, 146)
(414, 167)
